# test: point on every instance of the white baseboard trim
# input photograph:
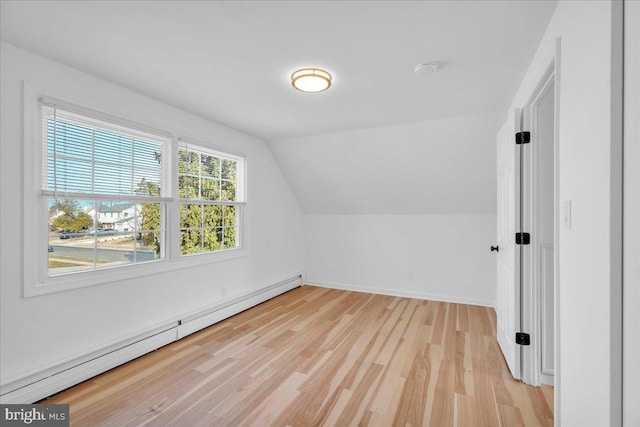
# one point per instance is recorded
(401, 293)
(34, 387)
(235, 306)
(75, 375)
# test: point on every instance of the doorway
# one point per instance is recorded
(538, 218)
(527, 234)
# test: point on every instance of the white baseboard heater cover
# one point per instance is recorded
(38, 386)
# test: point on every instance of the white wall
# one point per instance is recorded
(382, 202)
(39, 332)
(448, 255)
(589, 355)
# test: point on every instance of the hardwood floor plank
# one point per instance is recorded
(541, 409)
(317, 356)
(464, 411)
(411, 407)
(460, 368)
(510, 416)
(442, 409)
(548, 395)
(463, 318)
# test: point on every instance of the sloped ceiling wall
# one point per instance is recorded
(444, 166)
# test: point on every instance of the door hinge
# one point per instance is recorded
(523, 138)
(523, 338)
(523, 238)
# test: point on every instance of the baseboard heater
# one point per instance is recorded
(35, 387)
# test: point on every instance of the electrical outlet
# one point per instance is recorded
(412, 276)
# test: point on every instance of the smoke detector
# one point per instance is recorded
(427, 67)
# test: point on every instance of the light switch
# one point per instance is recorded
(566, 214)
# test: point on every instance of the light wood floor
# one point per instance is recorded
(317, 356)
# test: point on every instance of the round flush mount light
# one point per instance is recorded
(427, 67)
(311, 80)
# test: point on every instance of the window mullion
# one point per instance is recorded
(199, 176)
(223, 223)
(132, 163)
(135, 231)
(96, 210)
(105, 197)
(55, 150)
(93, 160)
(174, 206)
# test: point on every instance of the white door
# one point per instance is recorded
(508, 262)
(538, 194)
(541, 216)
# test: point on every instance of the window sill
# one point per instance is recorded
(79, 280)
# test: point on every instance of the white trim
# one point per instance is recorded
(115, 197)
(631, 225)
(31, 387)
(205, 147)
(547, 373)
(400, 293)
(81, 372)
(36, 278)
(98, 118)
(221, 311)
(556, 237)
(31, 192)
(65, 282)
(531, 304)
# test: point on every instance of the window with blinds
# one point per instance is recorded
(106, 187)
(211, 200)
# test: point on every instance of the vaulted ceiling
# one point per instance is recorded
(382, 140)
(230, 61)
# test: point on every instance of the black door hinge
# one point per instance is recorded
(523, 238)
(523, 138)
(523, 338)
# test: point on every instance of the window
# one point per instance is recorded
(110, 196)
(95, 171)
(210, 202)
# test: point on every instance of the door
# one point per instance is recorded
(508, 258)
(538, 218)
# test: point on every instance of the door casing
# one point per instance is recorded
(531, 261)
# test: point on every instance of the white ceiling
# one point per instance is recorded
(441, 166)
(230, 61)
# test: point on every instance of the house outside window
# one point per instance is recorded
(96, 170)
(111, 197)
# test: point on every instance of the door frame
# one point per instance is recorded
(630, 225)
(530, 287)
(508, 299)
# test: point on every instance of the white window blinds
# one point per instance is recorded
(88, 156)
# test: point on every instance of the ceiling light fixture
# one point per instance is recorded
(311, 80)
(427, 67)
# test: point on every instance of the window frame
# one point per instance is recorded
(240, 194)
(98, 122)
(36, 280)
(240, 202)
